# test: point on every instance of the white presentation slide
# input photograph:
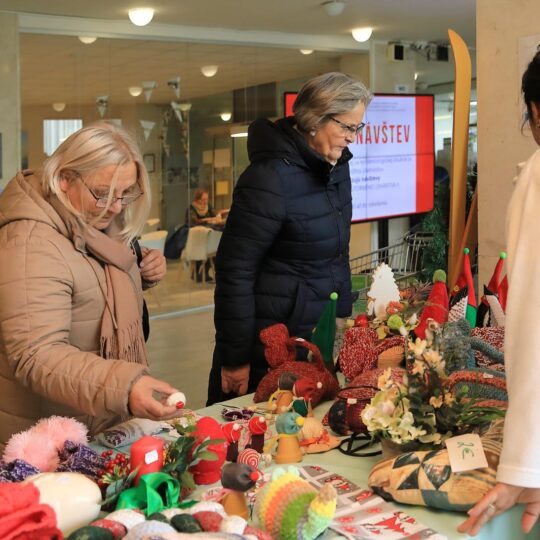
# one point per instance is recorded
(383, 169)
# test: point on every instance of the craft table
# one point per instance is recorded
(356, 469)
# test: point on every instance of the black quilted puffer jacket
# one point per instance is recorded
(285, 247)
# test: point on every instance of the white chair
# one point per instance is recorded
(154, 240)
(201, 246)
(151, 225)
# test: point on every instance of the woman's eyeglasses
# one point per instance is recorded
(102, 201)
(349, 128)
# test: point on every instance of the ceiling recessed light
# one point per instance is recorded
(141, 16)
(362, 34)
(87, 40)
(334, 7)
(59, 106)
(135, 90)
(306, 51)
(209, 71)
(226, 116)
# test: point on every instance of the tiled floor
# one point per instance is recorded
(182, 333)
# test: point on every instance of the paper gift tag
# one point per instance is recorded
(466, 453)
(151, 457)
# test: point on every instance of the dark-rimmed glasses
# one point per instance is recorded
(348, 128)
(103, 200)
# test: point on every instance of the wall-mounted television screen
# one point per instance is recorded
(392, 171)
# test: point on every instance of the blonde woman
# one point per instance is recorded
(71, 339)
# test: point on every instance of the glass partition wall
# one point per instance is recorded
(184, 102)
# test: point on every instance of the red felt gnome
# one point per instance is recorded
(257, 427)
(232, 432)
(436, 307)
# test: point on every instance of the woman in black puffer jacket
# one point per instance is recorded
(285, 247)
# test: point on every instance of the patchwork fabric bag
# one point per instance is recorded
(426, 478)
(280, 352)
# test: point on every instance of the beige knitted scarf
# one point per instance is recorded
(121, 326)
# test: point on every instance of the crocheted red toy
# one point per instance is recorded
(257, 428)
(280, 353)
(208, 472)
(232, 432)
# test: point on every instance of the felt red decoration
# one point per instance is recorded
(257, 427)
(21, 515)
(208, 472)
(280, 353)
(436, 307)
(306, 388)
(232, 432)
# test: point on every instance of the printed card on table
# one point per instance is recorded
(363, 515)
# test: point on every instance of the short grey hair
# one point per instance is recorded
(327, 95)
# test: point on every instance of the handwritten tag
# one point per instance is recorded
(151, 457)
(466, 453)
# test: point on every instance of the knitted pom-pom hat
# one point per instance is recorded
(257, 425)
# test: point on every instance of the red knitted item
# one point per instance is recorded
(22, 517)
(361, 349)
(280, 353)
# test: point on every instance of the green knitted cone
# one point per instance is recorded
(325, 332)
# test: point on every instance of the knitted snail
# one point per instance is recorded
(288, 507)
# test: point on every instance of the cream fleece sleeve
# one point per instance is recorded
(520, 459)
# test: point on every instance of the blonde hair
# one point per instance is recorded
(89, 149)
(327, 95)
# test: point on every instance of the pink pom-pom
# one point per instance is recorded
(38, 451)
(40, 444)
(60, 429)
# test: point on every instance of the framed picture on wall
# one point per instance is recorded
(150, 162)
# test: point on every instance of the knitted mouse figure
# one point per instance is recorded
(257, 427)
(232, 432)
(237, 478)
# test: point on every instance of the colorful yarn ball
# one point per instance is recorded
(141, 530)
(249, 457)
(116, 528)
(186, 523)
(127, 517)
(209, 521)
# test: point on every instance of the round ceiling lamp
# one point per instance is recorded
(141, 16)
(306, 51)
(135, 90)
(362, 34)
(226, 116)
(334, 7)
(59, 106)
(87, 40)
(209, 71)
(185, 107)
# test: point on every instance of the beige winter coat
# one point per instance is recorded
(51, 307)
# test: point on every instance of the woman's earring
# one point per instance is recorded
(312, 133)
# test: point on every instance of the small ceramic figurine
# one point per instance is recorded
(237, 478)
(287, 426)
(257, 427)
(232, 432)
(281, 399)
